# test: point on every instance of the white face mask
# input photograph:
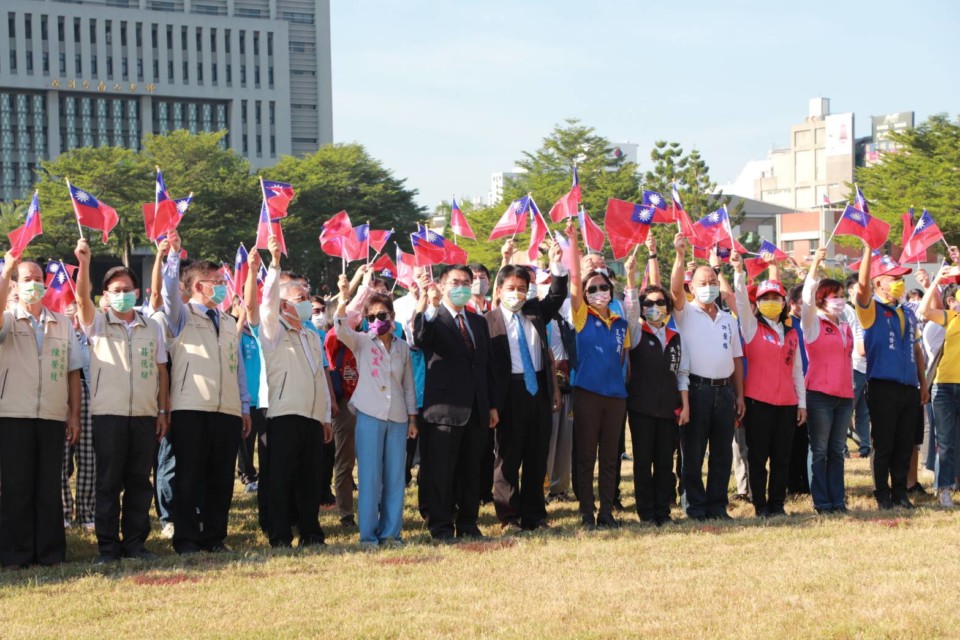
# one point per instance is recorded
(707, 294)
(513, 300)
(319, 320)
(835, 306)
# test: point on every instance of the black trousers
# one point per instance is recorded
(296, 446)
(522, 440)
(246, 468)
(597, 423)
(124, 448)
(259, 419)
(205, 445)
(488, 467)
(770, 430)
(893, 417)
(328, 457)
(452, 466)
(798, 478)
(712, 416)
(31, 511)
(654, 443)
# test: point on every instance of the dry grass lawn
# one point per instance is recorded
(869, 575)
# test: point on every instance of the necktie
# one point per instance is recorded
(529, 373)
(212, 314)
(467, 340)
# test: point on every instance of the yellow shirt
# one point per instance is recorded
(948, 371)
(868, 314)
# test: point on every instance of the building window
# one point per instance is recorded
(256, 43)
(199, 73)
(245, 145)
(160, 5)
(243, 42)
(226, 41)
(93, 32)
(243, 112)
(270, 43)
(256, 77)
(300, 18)
(245, 12)
(814, 245)
(273, 113)
(788, 246)
(60, 29)
(256, 111)
(259, 146)
(43, 28)
(186, 72)
(229, 74)
(273, 146)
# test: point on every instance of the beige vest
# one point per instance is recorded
(293, 387)
(205, 365)
(123, 368)
(33, 384)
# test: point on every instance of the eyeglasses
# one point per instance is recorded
(459, 283)
(382, 316)
(598, 287)
(649, 303)
(215, 283)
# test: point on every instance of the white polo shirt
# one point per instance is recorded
(712, 344)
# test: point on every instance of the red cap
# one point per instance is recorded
(887, 266)
(768, 286)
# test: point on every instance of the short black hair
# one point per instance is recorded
(950, 292)
(320, 299)
(476, 266)
(378, 298)
(454, 267)
(796, 293)
(185, 265)
(591, 274)
(917, 293)
(513, 271)
(118, 272)
(851, 280)
(655, 288)
(196, 270)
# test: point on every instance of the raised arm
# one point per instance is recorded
(559, 285)
(250, 288)
(653, 264)
(345, 332)
(865, 290)
(676, 274)
(170, 291)
(85, 309)
(631, 302)
(270, 307)
(926, 308)
(576, 281)
(808, 310)
(156, 276)
(748, 321)
(9, 266)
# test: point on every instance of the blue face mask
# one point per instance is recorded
(219, 293)
(460, 296)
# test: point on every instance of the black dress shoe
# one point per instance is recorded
(918, 489)
(778, 511)
(142, 554)
(588, 521)
(219, 548)
(841, 509)
(607, 521)
(348, 522)
(904, 503)
(763, 512)
(618, 505)
(885, 505)
(662, 520)
(105, 559)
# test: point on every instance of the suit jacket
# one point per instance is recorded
(539, 313)
(455, 381)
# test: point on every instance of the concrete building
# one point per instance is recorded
(497, 181)
(83, 73)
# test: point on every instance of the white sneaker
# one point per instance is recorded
(946, 498)
(167, 532)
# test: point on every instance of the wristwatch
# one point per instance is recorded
(162, 412)
(652, 256)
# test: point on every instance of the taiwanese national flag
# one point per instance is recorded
(338, 225)
(267, 227)
(405, 264)
(337, 233)
(385, 266)
(566, 207)
(593, 235)
(60, 290)
(458, 222)
(926, 233)
(662, 214)
(627, 225)
(755, 266)
(158, 231)
(683, 219)
(860, 202)
(538, 231)
(240, 269)
(427, 246)
(514, 219)
(452, 254)
(360, 248)
(714, 227)
(165, 214)
(31, 228)
(724, 249)
(378, 239)
(565, 249)
(907, 219)
(768, 247)
(233, 288)
(92, 213)
(278, 196)
(861, 224)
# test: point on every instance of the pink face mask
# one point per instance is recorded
(380, 327)
(835, 306)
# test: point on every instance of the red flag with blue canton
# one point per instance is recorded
(405, 264)
(513, 220)
(337, 232)
(267, 227)
(538, 231)
(278, 196)
(359, 250)
(92, 213)
(714, 227)
(926, 233)
(458, 222)
(378, 239)
(232, 288)
(860, 202)
(627, 225)
(60, 291)
(31, 228)
(241, 268)
(566, 207)
(165, 212)
(658, 204)
(156, 231)
(593, 235)
(768, 247)
(452, 254)
(385, 266)
(855, 222)
(427, 246)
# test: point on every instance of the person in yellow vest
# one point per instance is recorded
(298, 412)
(40, 364)
(129, 402)
(209, 401)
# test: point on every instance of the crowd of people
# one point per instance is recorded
(515, 390)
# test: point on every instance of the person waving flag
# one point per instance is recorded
(91, 212)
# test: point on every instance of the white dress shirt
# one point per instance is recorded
(510, 319)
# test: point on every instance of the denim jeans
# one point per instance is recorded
(828, 418)
(861, 423)
(946, 407)
(381, 457)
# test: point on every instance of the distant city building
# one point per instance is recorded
(498, 181)
(93, 73)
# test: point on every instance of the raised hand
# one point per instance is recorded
(680, 244)
(273, 244)
(174, 239)
(82, 252)
(737, 261)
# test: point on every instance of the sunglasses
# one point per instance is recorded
(649, 303)
(598, 287)
(382, 316)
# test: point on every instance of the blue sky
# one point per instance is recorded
(448, 91)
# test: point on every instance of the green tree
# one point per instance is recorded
(924, 172)
(341, 177)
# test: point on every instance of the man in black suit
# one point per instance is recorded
(456, 408)
(524, 392)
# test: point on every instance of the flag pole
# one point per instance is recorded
(368, 243)
(833, 232)
(453, 199)
(377, 254)
(76, 213)
(263, 192)
(733, 243)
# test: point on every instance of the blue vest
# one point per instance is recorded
(600, 361)
(890, 354)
